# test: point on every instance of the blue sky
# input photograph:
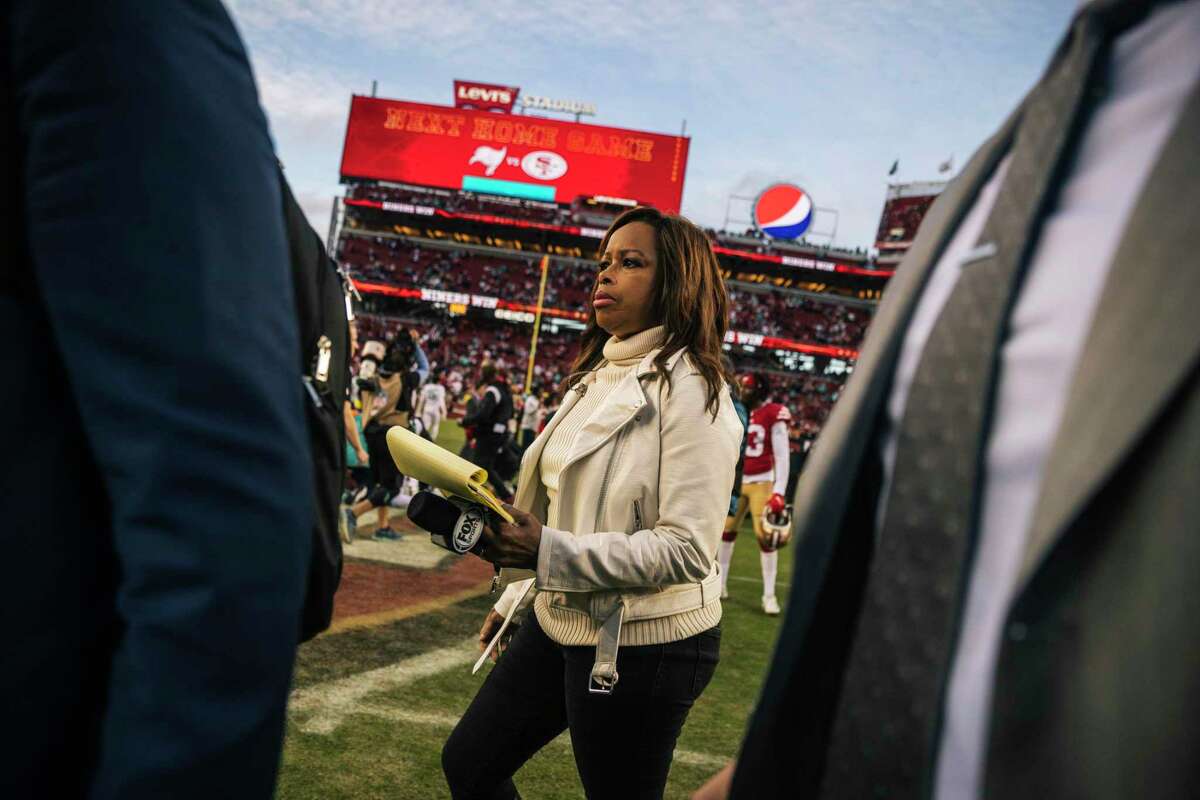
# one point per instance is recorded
(824, 93)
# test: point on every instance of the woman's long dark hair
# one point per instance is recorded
(689, 300)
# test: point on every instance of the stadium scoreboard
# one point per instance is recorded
(523, 156)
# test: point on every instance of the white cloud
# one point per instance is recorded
(317, 205)
(826, 92)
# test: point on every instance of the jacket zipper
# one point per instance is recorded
(637, 516)
(607, 475)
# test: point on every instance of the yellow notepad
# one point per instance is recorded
(422, 459)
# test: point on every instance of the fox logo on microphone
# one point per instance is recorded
(490, 157)
(455, 527)
(468, 530)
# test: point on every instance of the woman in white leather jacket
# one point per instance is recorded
(619, 591)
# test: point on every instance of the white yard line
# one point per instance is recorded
(327, 705)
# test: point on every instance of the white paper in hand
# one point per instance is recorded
(503, 627)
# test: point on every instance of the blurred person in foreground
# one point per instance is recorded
(632, 476)
(157, 483)
(995, 588)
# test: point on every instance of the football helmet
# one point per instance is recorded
(776, 528)
(755, 388)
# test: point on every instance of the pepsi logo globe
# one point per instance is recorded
(783, 211)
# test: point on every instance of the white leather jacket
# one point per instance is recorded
(643, 497)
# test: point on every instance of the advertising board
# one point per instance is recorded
(514, 155)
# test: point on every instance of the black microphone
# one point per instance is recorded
(450, 526)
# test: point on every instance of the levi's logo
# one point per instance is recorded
(478, 93)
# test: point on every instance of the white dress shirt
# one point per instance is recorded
(1154, 67)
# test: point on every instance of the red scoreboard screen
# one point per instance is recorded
(511, 154)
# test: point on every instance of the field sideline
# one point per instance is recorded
(374, 699)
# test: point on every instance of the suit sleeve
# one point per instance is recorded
(698, 458)
(155, 228)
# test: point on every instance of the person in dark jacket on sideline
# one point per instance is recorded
(493, 410)
(155, 467)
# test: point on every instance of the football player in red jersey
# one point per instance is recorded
(765, 479)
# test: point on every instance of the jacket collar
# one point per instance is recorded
(647, 366)
(622, 405)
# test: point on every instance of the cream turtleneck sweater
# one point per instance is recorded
(567, 627)
(623, 356)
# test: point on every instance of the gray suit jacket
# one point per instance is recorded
(1098, 684)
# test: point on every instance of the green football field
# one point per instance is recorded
(373, 703)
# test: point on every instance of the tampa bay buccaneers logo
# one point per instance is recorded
(490, 157)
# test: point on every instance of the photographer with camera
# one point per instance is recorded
(388, 399)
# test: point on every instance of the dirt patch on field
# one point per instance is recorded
(369, 587)
(384, 576)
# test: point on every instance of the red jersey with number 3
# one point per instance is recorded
(760, 453)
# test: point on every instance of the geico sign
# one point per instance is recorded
(548, 104)
(480, 94)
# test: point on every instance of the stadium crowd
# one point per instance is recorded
(902, 217)
(794, 316)
(461, 202)
(516, 278)
(399, 261)
(456, 346)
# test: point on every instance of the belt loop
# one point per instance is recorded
(604, 672)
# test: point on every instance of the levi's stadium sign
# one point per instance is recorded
(485, 96)
(530, 157)
(565, 106)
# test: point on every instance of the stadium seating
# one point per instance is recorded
(796, 317)
(902, 217)
(458, 344)
(515, 278)
(461, 202)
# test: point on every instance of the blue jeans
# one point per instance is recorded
(623, 742)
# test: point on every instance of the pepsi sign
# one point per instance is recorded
(783, 211)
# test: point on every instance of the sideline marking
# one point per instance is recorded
(331, 702)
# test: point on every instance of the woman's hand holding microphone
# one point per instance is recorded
(512, 545)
